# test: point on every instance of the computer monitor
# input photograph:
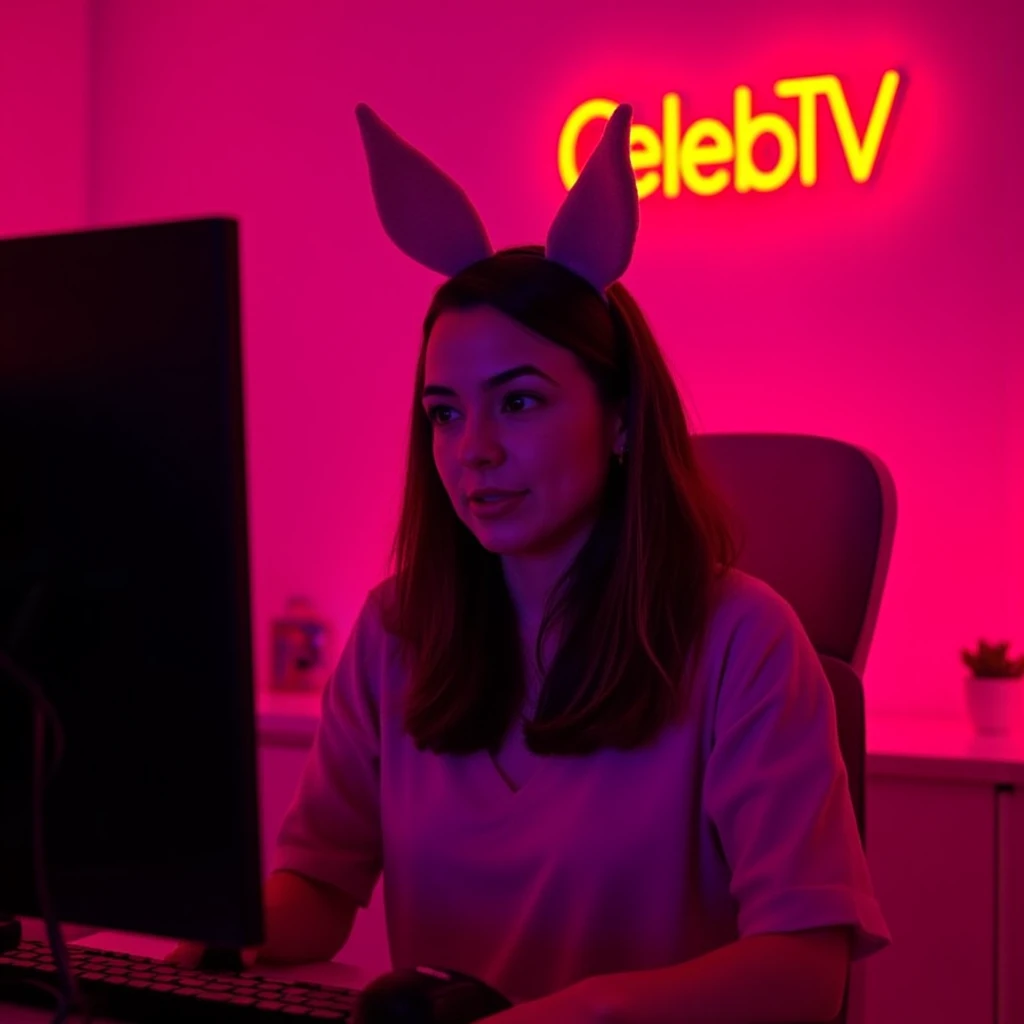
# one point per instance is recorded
(124, 579)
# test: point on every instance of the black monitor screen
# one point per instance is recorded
(124, 579)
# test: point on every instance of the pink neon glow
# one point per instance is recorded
(885, 314)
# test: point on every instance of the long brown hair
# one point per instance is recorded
(637, 598)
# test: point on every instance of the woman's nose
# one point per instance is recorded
(479, 441)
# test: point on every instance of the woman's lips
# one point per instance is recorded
(493, 508)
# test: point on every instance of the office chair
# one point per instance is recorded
(815, 518)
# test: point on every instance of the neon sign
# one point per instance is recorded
(694, 159)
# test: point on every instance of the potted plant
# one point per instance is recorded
(994, 689)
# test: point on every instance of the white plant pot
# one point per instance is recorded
(996, 706)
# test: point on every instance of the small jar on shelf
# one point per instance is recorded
(300, 649)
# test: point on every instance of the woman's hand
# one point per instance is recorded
(189, 954)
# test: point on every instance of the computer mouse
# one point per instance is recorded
(427, 995)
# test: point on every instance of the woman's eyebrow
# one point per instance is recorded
(527, 370)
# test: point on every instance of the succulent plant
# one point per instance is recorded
(990, 661)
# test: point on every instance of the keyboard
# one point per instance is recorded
(125, 987)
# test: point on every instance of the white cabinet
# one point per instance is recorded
(945, 842)
(931, 848)
(1010, 905)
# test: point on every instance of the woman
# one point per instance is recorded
(597, 765)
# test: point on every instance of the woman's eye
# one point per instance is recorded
(518, 396)
(436, 412)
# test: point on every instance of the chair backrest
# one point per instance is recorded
(816, 520)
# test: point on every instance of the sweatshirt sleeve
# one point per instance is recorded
(331, 832)
(776, 788)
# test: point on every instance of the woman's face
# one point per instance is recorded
(515, 412)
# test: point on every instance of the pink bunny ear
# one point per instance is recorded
(424, 212)
(594, 232)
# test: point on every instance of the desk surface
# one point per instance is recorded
(942, 749)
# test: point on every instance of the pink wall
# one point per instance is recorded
(43, 115)
(889, 314)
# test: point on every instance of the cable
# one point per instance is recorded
(69, 998)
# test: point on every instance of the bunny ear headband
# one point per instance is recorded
(431, 219)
